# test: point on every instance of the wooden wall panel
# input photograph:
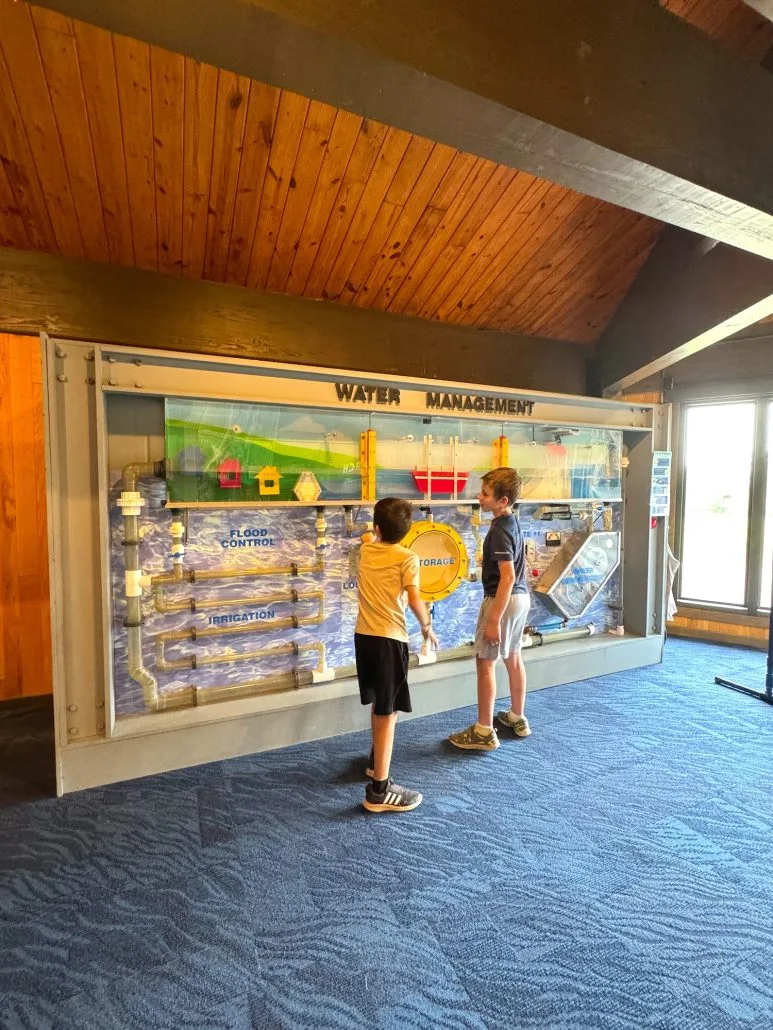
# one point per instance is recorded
(394, 149)
(747, 635)
(484, 215)
(25, 643)
(486, 256)
(477, 193)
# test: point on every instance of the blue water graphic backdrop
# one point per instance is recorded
(274, 537)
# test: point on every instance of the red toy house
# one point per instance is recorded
(229, 474)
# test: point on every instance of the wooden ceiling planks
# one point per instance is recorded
(36, 122)
(279, 180)
(198, 142)
(320, 119)
(487, 180)
(132, 60)
(96, 59)
(13, 232)
(231, 106)
(19, 164)
(443, 176)
(393, 151)
(414, 181)
(353, 184)
(167, 76)
(489, 253)
(56, 45)
(501, 193)
(115, 150)
(340, 148)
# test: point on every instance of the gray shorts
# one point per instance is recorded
(511, 628)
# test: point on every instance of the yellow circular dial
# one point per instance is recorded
(443, 560)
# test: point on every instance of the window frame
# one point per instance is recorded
(751, 607)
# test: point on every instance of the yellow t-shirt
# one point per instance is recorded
(385, 571)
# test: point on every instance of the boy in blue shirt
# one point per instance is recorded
(502, 617)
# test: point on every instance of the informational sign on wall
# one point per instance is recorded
(660, 491)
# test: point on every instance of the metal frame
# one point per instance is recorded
(78, 380)
(134, 371)
(767, 694)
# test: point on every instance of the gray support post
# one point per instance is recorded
(74, 542)
(644, 547)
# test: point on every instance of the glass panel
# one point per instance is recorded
(417, 456)
(231, 451)
(719, 443)
(767, 546)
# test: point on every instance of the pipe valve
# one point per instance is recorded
(130, 502)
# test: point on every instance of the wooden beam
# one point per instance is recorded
(738, 367)
(90, 301)
(691, 293)
(763, 7)
(621, 101)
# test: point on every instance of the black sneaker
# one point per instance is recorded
(369, 770)
(394, 799)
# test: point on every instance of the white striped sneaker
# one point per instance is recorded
(394, 799)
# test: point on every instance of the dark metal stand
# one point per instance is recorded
(767, 695)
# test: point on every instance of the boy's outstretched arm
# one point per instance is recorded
(419, 609)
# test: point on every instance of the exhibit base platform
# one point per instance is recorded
(146, 745)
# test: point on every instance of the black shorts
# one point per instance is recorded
(382, 669)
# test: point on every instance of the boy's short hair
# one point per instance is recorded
(504, 482)
(393, 516)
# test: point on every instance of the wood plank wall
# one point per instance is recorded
(746, 633)
(25, 641)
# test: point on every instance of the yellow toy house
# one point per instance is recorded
(268, 481)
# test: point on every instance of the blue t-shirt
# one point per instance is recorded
(504, 542)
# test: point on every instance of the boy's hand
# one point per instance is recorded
(429, 634)
(491, 631)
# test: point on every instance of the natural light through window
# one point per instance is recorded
(719, 444)
(767, 547)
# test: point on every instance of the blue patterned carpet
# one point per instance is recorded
(611, 872)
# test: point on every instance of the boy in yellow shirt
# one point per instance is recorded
(388, 575)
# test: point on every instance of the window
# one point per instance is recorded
(767, 547)
(726, 525)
